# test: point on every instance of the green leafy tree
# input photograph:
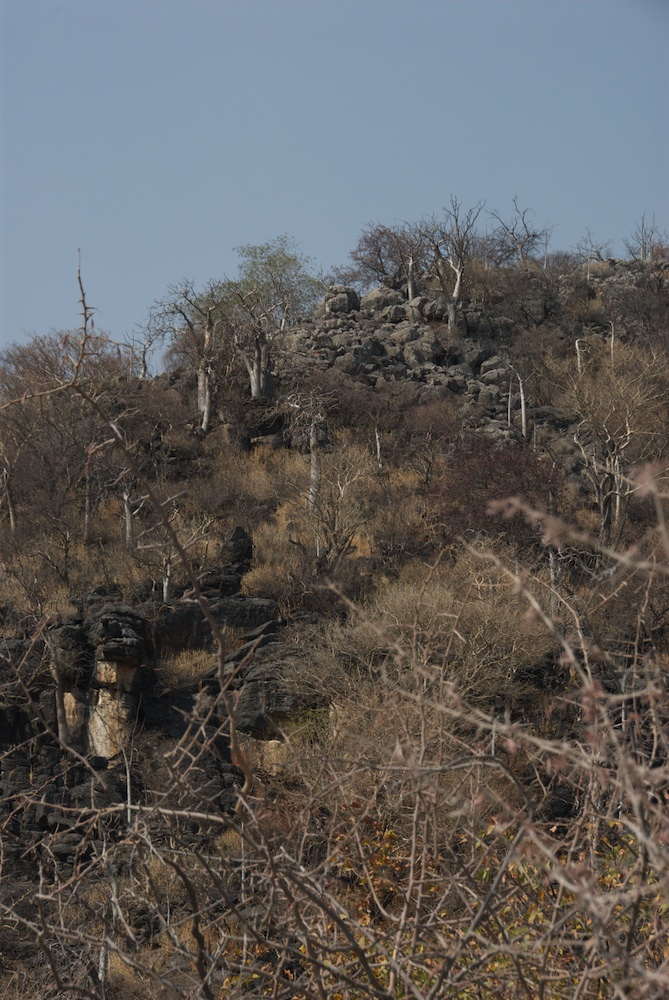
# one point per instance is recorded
(274, 289)
(242, 316)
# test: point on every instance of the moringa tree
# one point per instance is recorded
(194, 322)
(241, 316)
(452, 242)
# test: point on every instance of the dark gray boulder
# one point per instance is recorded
(118, 634)
(275, 687)
(338, 300)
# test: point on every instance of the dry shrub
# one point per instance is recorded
(30, 588)
(274, 581)
(229, 843)
(125, 982)
(185, 668)
(247, 487)
(459, 623)
(283, 560)
(382, 732)
(401, 526)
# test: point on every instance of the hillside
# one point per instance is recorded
(334, 656)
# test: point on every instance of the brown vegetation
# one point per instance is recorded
(475, 805)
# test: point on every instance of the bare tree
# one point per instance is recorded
(194, 320)
(617, 394)
(253, 324)
(516, 239)
(590, 251)
(396, 256)
(452, 240)
(144, 342)
(647, 242)
(241, 316)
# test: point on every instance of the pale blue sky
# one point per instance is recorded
(157, 135)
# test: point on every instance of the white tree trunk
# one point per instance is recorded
(167, 576)
(258, 367)
(454, 300)
(10, 500)
(204, 396)
(314, 466)
(129, 523)
(256, 382)
(206, 410)
(411, 292)
(523, 409)
(377, 440)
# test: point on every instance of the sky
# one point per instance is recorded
(155, 136)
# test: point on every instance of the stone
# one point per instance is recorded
(111, 723)
(494, 375)
(245, 612)
(379, 299)
(435, 310)
(75, 714)
(393, 314)
(275, 687)
(274, 756)
(71, 654)
(404, 333)
(488, 395)
(416, 353)
(490, 363)
(340, 299)
(221, 582)
(416, 307)
(474, 356)
(118, 633)
(115, 675)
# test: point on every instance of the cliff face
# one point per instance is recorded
(73, 738)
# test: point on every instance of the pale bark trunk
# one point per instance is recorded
(129, 524)
(87, 510)
(523, 409)
(256, 382)
(377, 440)
(454, 301)
(167, 578)
(202, 387)
(314, 466)
(204, 397)
(206, 411)
(410, 282)
(258, 368)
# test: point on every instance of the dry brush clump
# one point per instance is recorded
(459, 620)
(416, 842)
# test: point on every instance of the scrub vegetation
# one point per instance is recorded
(449, 464)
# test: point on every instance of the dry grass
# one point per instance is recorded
(185, 668)
(283, 559)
